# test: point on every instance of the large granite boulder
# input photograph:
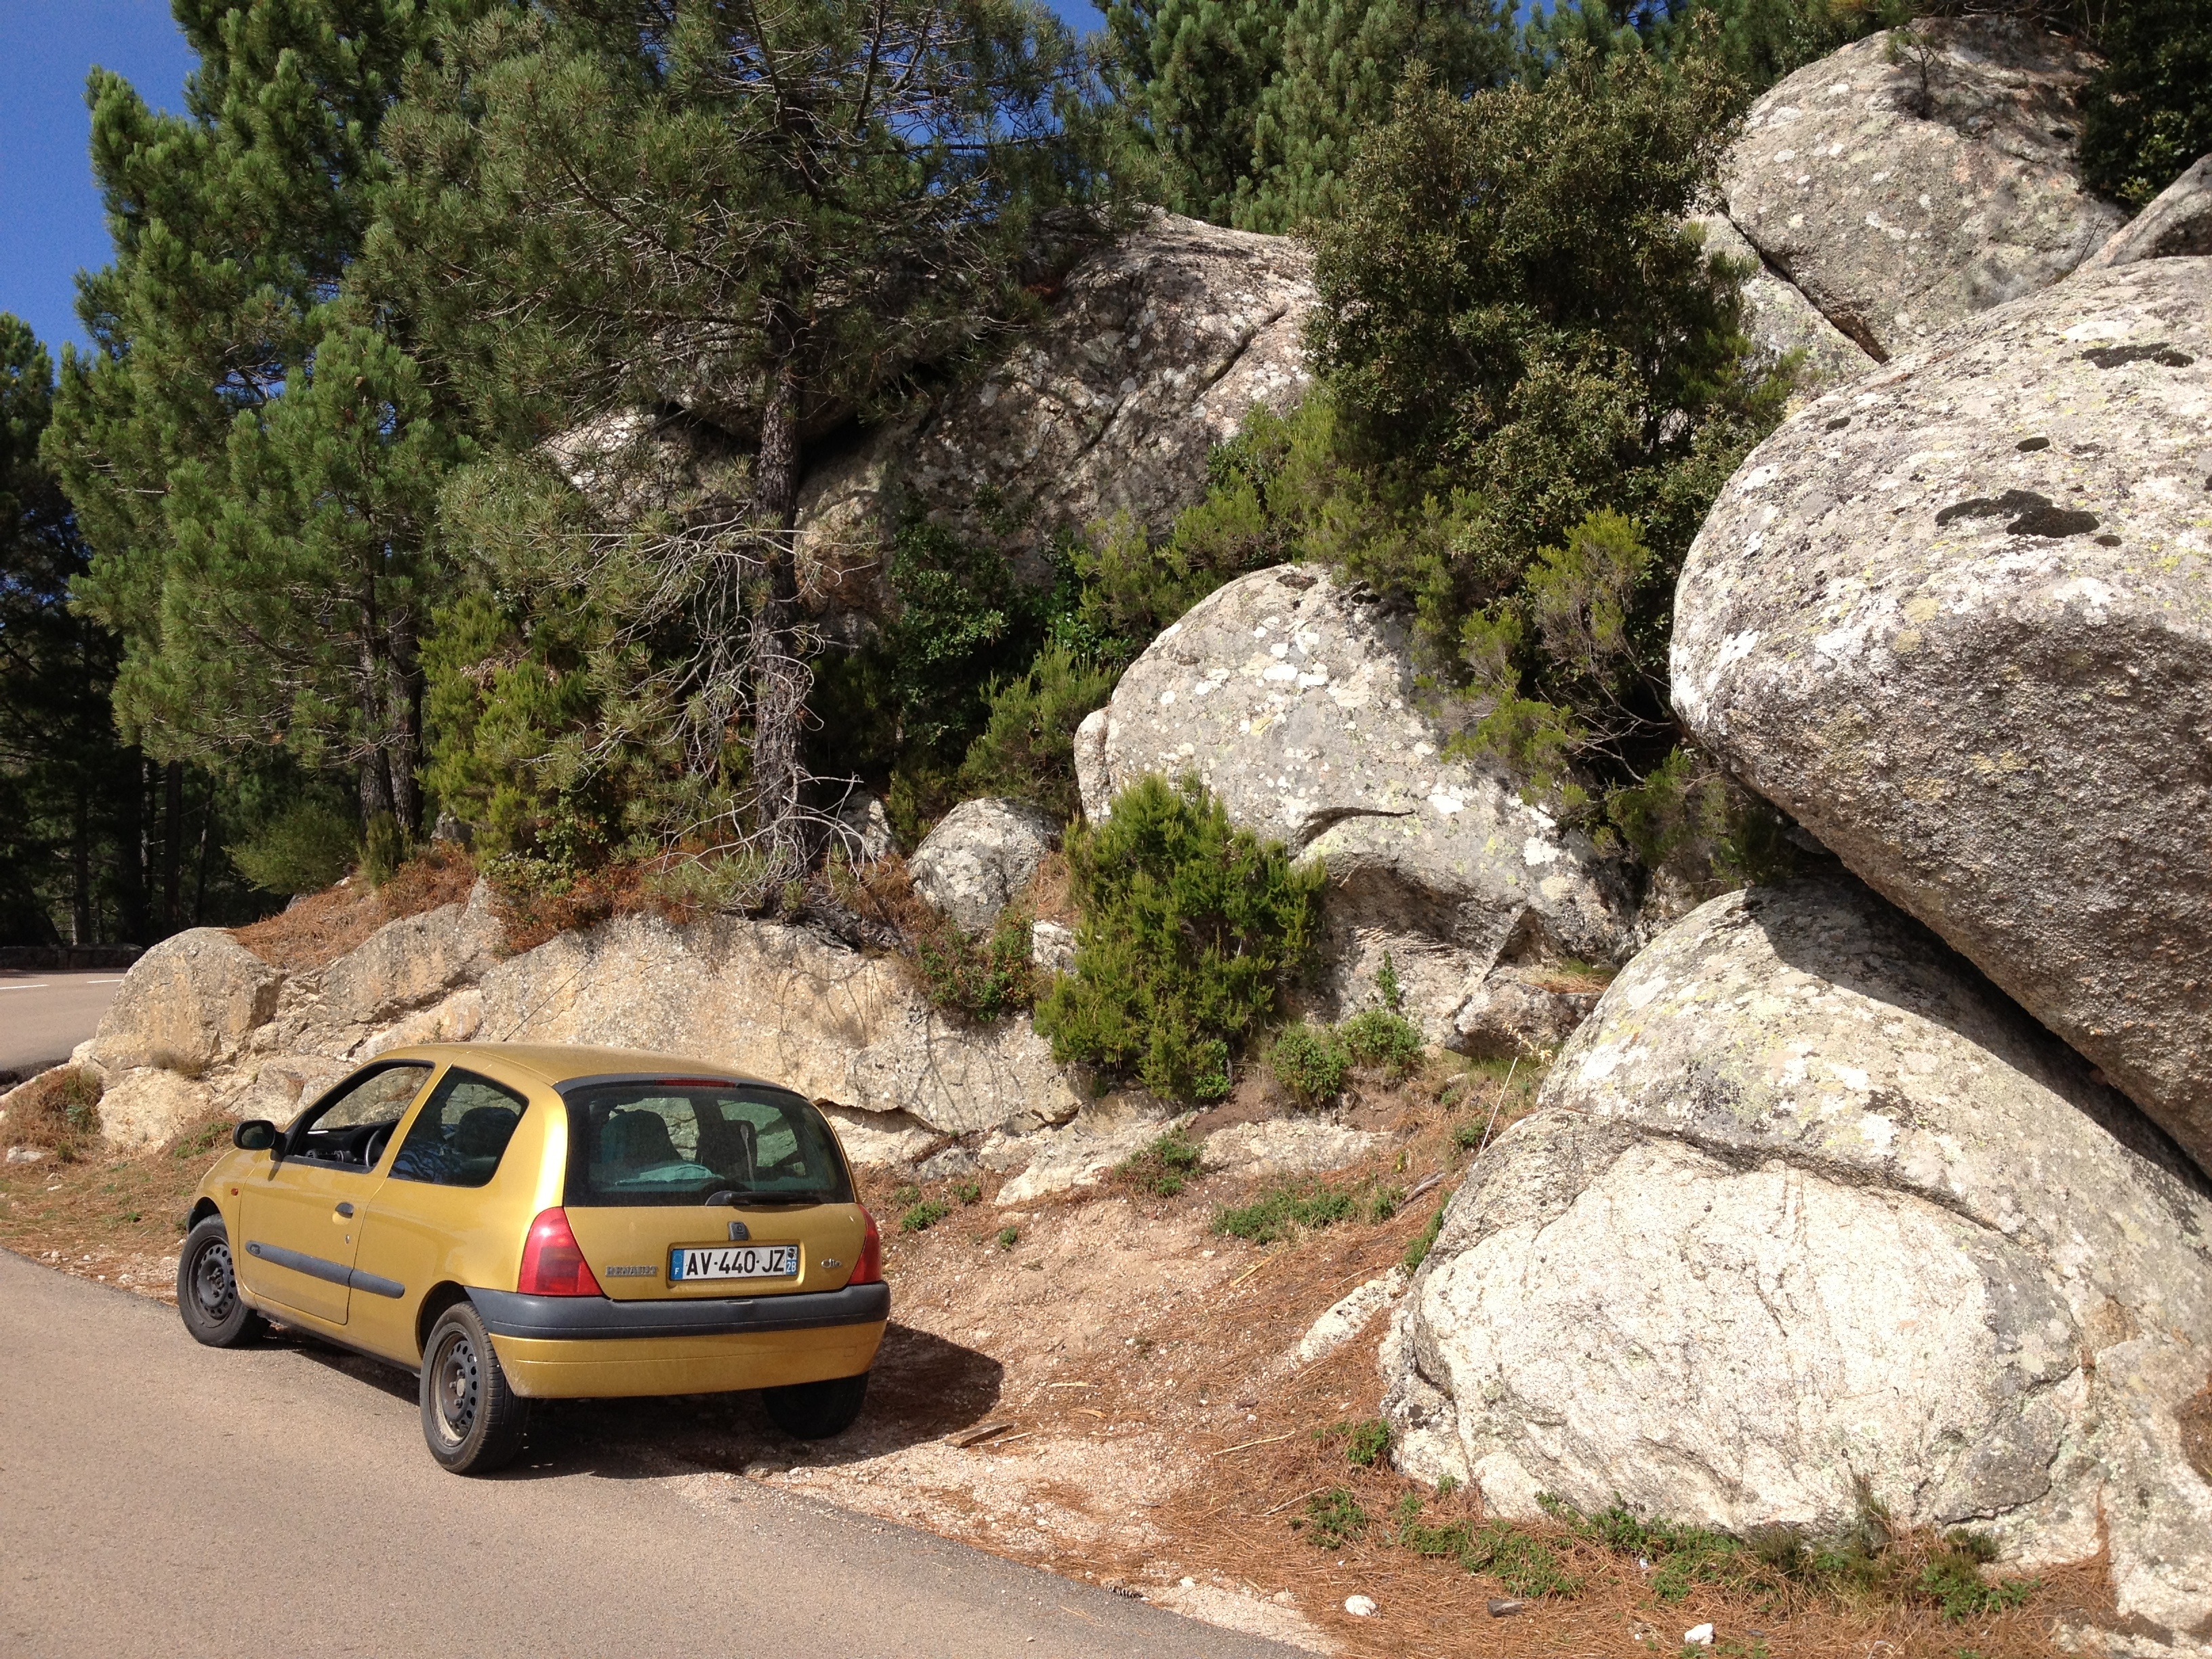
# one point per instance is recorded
(1918, 176)
(185, 1006)
(413, 961)
(1291, 697)
(1154, 350)
(1810, 1207)
(1957, 619)
(2177, 224)
(980, 857)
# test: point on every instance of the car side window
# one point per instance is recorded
(461, 1133)
(349, 1126)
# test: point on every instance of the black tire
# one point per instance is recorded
(815, 1410)
(206, 1290)
(472, 1421)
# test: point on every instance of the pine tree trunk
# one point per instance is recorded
(137, 924)
(778, 675)
(81, 869)
(403, 721)
(172, 842)
(368, 677)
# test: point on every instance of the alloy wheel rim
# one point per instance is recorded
(212, 1285)
(456, 1386)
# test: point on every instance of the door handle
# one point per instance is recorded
(346, 1209)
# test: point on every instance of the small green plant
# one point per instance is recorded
(1388, 1041)
(968, 1192)
(1466, 1135)
(1367, 1443)
(925, 1215)
(1424, 1241)
(1382, 1203)
(905, 1192)
(1680, 1555)
(1523, 1563)
(1164, 1168)
(1190, 930)
(1309, 1061)
(1386, 987)
(1283, 1209)
(1009, 1236)
(1333, 1519)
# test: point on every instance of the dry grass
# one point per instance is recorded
(101, 1215)
(56, 1111)
(319, 928)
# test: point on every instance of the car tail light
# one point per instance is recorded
(869, 1268)
(551, 1263)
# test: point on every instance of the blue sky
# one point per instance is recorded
(50, 219)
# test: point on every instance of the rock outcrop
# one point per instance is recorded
(980, 858)
(1920, 175)
(1155, 349)
(782, 1003)
(1291, 697)
(1957, 619)
(1808, 1203)
(185, 1006)
(2178, 224)
(1780, 319)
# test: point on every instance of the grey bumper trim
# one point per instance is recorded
(334, 1273)
(510, 1313)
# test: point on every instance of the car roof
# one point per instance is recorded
(557, 1063)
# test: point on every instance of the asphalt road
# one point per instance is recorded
(161, 1497)
(44, 1016)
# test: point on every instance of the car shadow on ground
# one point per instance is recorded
(921, 1388)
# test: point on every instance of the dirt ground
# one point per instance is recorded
(1157, 1434)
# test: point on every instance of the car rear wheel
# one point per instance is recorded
(815, 1410)
(472, 1421)
(207, 1290)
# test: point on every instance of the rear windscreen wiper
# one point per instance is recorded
(731, 1196)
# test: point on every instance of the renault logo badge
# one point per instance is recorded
(738, 1232)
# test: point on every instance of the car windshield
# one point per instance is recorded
(682, 1141)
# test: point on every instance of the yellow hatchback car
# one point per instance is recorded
(516, 1222)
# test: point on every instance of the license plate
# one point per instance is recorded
(687, 1262)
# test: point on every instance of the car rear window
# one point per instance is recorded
(682, 1141)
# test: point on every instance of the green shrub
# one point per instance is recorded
(968, 1192)
(979, 979)
(1190, 929)
(1027, 748)
(1309, 1061)
(1165, 1167)
(2148, 113)
(1009, 1236)
(924, 1216)
(301, 850)
(1389, 1043)
(1282, 1209)
(384, 848)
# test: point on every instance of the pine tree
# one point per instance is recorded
(234, 226)
(1254, 108)
(754, 220)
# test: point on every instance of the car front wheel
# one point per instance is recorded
(207, 1290)
(815, 1410)
(472, 1421)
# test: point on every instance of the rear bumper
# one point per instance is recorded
(509, 1313)
(591, 1348)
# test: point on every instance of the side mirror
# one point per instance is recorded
(256, 1134)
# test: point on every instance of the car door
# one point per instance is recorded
(439, 1211)
(301, 1220)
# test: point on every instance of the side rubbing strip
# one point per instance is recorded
(330, 1272)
